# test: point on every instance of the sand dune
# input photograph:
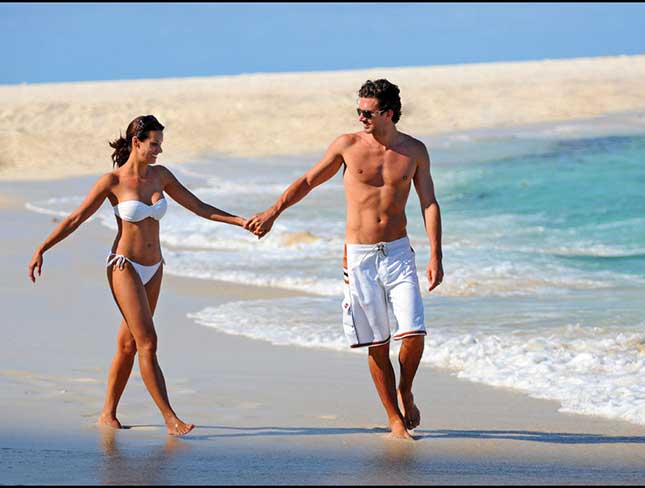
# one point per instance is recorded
(61, 129)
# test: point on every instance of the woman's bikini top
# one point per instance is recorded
(135, 211)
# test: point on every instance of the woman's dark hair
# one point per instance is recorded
(386, 93)
(140, 127)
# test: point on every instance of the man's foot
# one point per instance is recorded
(178, 428)
(398, 430)
(109, 420)
(411, 414)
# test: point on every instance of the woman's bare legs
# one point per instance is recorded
(132, 300)
(120, 370)
(126, 350)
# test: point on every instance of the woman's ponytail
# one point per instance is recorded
(121, 151)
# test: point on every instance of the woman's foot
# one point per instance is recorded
(178, 428)
(109, 420)
(398, 429)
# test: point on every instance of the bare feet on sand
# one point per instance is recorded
(411, 414)
(178, 428)
(109, 420)
(398, 429)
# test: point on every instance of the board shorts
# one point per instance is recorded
(382, 298)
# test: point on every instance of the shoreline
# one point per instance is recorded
(291, 415)
(627, 123)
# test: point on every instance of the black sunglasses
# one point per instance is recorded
(368, 114)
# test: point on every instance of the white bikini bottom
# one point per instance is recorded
(145, 272)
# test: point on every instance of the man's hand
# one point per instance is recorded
(260, 224)
(36, 263)
(434, 273)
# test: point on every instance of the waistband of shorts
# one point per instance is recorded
(393, 246)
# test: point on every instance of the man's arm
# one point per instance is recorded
(261, 223)
(431, 217)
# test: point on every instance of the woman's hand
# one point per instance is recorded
(260, 224)
(36, 262)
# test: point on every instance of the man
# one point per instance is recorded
(381, 285)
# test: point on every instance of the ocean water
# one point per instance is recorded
(544, 255)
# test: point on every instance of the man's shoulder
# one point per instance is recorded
(346, 140)
(414, 147)
(413, 143)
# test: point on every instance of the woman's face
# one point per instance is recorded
(149, 149)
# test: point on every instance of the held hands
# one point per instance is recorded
(434, 273)
(35, 263)
(260, 224)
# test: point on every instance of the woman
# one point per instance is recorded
(136, 190)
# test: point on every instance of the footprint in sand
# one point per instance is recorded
(328, 417)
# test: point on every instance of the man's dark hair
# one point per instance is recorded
(386, 93)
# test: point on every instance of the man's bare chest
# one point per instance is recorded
(378, 169)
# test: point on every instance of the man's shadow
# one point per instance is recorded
(531, 436)
(419, 434)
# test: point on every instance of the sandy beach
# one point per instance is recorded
(54, 130)
(265, 414)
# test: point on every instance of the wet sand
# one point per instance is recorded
(265, 414)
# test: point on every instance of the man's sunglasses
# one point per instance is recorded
(368, 114)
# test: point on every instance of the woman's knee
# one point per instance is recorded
(147, 344)
(127, 347)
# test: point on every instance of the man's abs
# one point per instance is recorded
(372, 220)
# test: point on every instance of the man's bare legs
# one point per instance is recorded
(132, 300)
(126, 350)
(409, 359)
(385, 382)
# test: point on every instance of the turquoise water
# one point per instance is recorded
(578, 202)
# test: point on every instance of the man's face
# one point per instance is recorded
(370, 115)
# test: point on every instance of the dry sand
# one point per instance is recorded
(61, 129)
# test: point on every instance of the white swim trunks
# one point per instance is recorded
(382, 293)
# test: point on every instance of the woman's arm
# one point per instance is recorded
(91, 204)
(188, 200)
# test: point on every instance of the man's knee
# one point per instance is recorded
(416, 342)
(379, 352)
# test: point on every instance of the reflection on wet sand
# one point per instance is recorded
(135, 466)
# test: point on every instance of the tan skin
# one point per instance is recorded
(381, 164)
(136, 179)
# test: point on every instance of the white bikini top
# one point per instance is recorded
(135, 211)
